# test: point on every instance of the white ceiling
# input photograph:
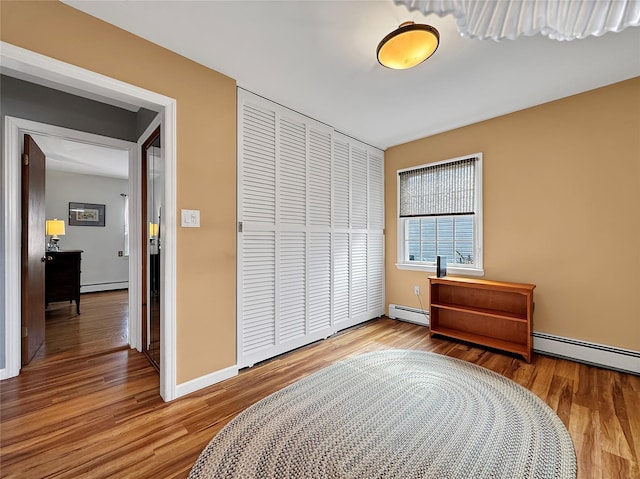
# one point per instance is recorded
(83, 158)
(318, 57)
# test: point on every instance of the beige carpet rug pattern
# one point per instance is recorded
(394, 414)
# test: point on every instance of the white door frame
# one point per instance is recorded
(31, 66)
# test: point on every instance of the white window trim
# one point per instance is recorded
(478, 267)
(126, 215)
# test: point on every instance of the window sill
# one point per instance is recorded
(432, 269)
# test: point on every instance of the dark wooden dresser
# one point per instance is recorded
(62, 277)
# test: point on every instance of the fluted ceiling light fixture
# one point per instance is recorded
(407, 46)
(557, 19)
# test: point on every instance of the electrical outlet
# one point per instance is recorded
(416, 290)
(120, 253)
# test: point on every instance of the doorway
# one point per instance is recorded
(39, 69)
(94, 257)
(69, 174)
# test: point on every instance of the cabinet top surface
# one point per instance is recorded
(66, 251)
(473, 282)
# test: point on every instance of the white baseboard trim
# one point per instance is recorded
(96, 287)
(602, 355)
(205, 381)
(7, 373)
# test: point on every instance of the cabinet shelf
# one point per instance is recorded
(494, 314)
(487, 341)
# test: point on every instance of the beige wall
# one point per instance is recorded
(567, 172)
(206, 139)
(561, 210)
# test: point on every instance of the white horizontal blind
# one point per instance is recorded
(308, 264)
(443, 189)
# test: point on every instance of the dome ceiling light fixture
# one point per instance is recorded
(407, 46)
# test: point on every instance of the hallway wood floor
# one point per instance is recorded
(102, 326)
(88, 407)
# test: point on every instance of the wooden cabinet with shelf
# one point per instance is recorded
(495, 314)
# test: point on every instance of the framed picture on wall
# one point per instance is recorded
(86, 214)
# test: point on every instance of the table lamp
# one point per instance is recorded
(153, 231)
(54, 228)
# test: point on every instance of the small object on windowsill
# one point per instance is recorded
(441, 266)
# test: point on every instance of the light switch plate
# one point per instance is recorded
(190, 219)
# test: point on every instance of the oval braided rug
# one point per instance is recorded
(394, 414)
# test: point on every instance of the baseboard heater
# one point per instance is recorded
(107, 286)
(412, 315)
(610, 357)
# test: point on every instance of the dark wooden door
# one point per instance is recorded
(152, 188)
(33, 248)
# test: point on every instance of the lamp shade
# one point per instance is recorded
(55, 227)
(407, 46)
(153, 230)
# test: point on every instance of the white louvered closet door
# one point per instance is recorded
(284, 238)
(291, 214)
(257, 251)
(309, 263)
(341, 233)
(319, 215)
(358, 239)
(359, 233)
(375, 246)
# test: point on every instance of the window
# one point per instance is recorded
(440, 214)
(125, 210)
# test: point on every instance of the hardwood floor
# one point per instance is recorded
(87, 407)
(102, 326)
